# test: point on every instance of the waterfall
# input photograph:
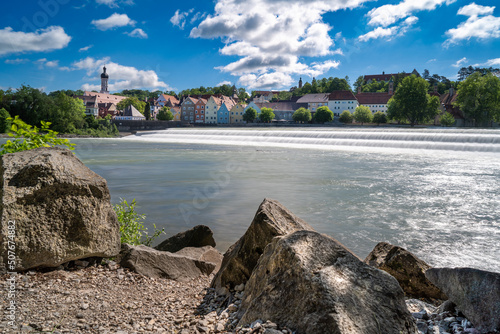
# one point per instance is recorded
(420, 139)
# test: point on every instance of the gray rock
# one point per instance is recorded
(198, 236)
(154, 263)
(206, 254)
(61, 209)
(310, 283)
(475, 292)
(272, 219)
(408, 269)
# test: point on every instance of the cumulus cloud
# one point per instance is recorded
(389, 14)
(480, 24)
(490, 63)
(16, 61)
(137, 33)
(42, 63)
(271, 36)
(229, 83)
(114, 21)
(460, 62)
(179, 18)
(51, 38)
(391, 32)
(120, 76)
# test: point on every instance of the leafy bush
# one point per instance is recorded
(447, 119)
(323, 115)
(165, 114)
(28, 137)
(132, 230)
(379, 117)
(4, 121)
(302, 115)
(363, 114)
(346, 117)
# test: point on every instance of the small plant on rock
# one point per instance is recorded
(29, 137)
(132, 229)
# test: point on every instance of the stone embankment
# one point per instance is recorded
(280, 277)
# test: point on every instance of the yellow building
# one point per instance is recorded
(236, 116)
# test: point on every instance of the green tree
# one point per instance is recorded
(31, 105)
(165, 114)
(266, 115)
(250, 115)
(323, 115)
(147, 111)
(479, 98)
(346, 117)
(5, 121)
(360, 81)
(379, 117)
(362, 115)
(66, 114)
(28, 137)
(411, 102)
(282, 96)
(302, 115)
(447, 119)
(139, 105)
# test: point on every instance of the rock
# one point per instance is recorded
(475, 292)
(154, 263)
(310, 283)
(61, 209)
(446, 306)
(415, 305)
(272, 219)
(198, 236)
(408, 269)
(206, 254)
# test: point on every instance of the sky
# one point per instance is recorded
(255, 44)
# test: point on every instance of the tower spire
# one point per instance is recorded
(104, 81)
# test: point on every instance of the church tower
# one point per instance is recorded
(300, 83)
(104, 81)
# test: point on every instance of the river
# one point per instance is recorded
(434, 192)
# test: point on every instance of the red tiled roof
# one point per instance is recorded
(314, 98)
(373, 98)
(341, 95)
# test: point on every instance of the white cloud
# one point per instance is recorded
(270, 36)
(391, 32)
(460, 62)
(224, 83)
(198, 16)
(114, 3)
(51, 38)
(489, 63)
(476, 26)
(390, 14)
(86, 48)
(431, 60)
(137, 33)
(179, 18)
(42, 63)
(121, 77)
(16, 61)
(114, 21)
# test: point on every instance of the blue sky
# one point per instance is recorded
(256, 44)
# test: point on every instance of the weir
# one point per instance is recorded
(426, 139)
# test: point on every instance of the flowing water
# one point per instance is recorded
(434, 192)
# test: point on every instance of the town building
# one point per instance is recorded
(314, 101)
(223, 114)
(237, 113)
(283, 110)
(131, 114)
(211, 108)
(386, 77)
(104, 81)
(187, 109)
(340, 100)
(199, 110)
(376, 101)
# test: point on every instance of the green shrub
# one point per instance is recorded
(362, 115)
(447, 119)
(346, 117)
(323, 115)
(28, 137)
(132, 230)
(5, 123)
(379, 117)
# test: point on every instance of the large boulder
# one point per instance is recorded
(198, 236)
(150, 262)
(61, 209)
(475, 292)
(408, 269)
(312, 284)
(207, 254)
(272, 219)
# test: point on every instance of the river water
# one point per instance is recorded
(434, 192)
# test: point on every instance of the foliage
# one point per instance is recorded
(31, 105)
(302, 115)
(67, 114)
(165, 114)
(140, 94)
(226, 90)
(346, 117)
(323, 115)
(322, 86)
(132, 230)
(282, 96)
(479, 98)
(250, 115)
(411, 102)
(67, 92)
(147, 111)
(31, 137)
(447, 119)
(465, 72)
(266, 115)
(362, 114)
(98, 127)
(379, 117)
(5, 122)
(139, 105)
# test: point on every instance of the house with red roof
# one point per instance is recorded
(340, 100)
(199, 110)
